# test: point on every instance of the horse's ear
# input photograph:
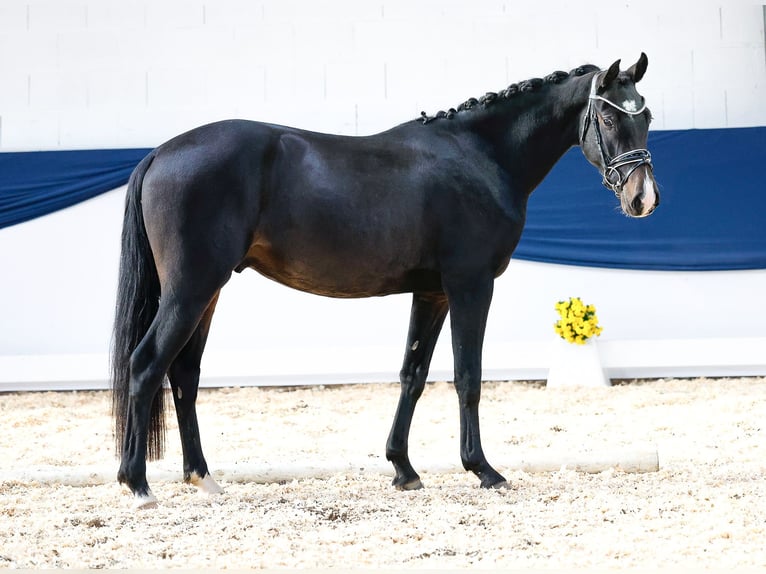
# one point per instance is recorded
(610, 75)
(637, 70)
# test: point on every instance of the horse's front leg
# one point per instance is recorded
(469, 304)
(426, 320)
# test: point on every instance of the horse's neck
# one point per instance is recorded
(536, 136)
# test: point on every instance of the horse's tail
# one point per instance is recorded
(138, 293)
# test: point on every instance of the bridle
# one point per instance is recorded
(612, 176)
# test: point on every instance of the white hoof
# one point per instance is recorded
(144, 501)
(206, 484)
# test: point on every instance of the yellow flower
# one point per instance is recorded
(578, 321)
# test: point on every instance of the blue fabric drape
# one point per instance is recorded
(710, 216)
(37, 183)
(711, 213)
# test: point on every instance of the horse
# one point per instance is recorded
(433, 207)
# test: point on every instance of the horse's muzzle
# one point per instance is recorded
(640, 196)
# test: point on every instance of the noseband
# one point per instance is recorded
(612, 176)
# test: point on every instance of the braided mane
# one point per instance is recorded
(489, 98)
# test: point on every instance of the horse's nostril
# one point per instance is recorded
(638, 203)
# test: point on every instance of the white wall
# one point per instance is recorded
(116, 73)
(126, 73)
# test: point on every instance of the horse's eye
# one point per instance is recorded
(607, 122)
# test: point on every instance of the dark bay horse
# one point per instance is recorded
(432, 207)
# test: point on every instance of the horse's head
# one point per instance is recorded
(613, 136)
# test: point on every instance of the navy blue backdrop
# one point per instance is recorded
(710, 216)
(37, 183)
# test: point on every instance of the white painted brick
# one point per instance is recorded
(24, 51)
(658, 29)
(133, 127)
(264, 43)
(408, 40)
(427, 12)
(669, 68)
(281, 82)
(690, 24)
(329, 65)
(323, 41)
(116, 88)
(116, 14)
(355, 80)
(57, 15)
(88, 129)
(182, 87)
(386, 40)
(674, 110)
(745, 106)
(742, 24)
(30, 130)
(199, 47)
(312, 11)
(422, 81)
(624, 31)
(13, 16)
(233, 13)
(726, 65)
(14, 94)
(55, 89)
(303, 80)
(710, 108)
(172, 14)
(474, 81)
(229, 87)
(87, 49)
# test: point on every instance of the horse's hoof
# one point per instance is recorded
(206, 484)
(144, 501)
(415, 484)
(494, 480)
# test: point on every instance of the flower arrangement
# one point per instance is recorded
(578, 321)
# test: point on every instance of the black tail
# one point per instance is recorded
(138, 294)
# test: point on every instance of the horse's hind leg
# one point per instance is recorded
(184, 381)
(426, 320)
(175, 323)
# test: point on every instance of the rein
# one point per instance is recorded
(612, 176)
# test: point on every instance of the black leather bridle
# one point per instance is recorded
(613, 178)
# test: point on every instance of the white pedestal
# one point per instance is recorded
(576, 366)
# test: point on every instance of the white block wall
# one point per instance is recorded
(124, 73)
(106, 73)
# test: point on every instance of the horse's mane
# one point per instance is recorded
(489, 98)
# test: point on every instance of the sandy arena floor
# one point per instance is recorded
(705, 507)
